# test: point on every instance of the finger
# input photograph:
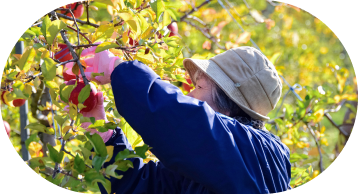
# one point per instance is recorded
(89, 61)
(100, 99)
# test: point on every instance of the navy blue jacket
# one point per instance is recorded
(200, 151)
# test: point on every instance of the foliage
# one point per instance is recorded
(305, 52)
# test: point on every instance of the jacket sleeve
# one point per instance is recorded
(185, 134)
(142, 178)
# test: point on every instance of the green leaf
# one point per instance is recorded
(295, 157)
(12, 75)
(79, 164)
(81, 138)
(54, 154)
(36, 126)
(122, 155)
(97, 74)
(98, 144)
(65, 92)
(40, 162)
(181, 79)
(175, 15)
(172, 4)
(48, 69)
(27, 59)
(110, 125)
(84, 94)
(54, 28)
(93, 120)
(54, 95)
(67, 136)
(98, 162)
(96, 124)
(104, 46)
(110, 170)
(140, 151)
(51, 84)
(143, 23)
(166, 18)
(158, 8)
(124, 165)
(46, 22)
(59, 120)
(92, 177)
(103, 32)
(36, 30)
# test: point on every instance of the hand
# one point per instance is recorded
(103, 62)
(99, 114)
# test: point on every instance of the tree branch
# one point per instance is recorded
(83, 35)
(318, 147)
(207, 35)
(194, 9)
(74, 55)
(77, 20)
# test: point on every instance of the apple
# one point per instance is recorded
(173, 27)
(66, 76)
(77, 12)
(90, 102)
(13, 103)
(64, 54)
(7, 128)
(131, 42)
(187, 87)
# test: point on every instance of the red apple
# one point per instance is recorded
(18, 102)
(90, 102)
(64, 54)
(66, 76)
(13, 103)
(187, 87)
(7, 128)
(77, 12)
(131, 42)
(173, 27)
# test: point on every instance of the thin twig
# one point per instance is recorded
(207, 35)
(74, 55)
(318, 147)
(194, 9)
(83, 35)
(78, 29)
(77, 20)
(328, 116)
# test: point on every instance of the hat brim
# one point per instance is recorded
(211, 69)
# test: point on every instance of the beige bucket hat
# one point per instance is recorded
(246, 76)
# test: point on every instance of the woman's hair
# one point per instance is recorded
(226, 105)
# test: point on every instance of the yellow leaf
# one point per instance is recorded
(323, 129)
(65, 129)
(110, 152)
(324, 141)
(323, 50)
(243, 38)
(287, 141)
(35, 149)
(315, 173)
(146, 59)
(73, 111)
(319, 115)
(49, 118)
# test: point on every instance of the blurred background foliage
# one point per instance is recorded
(316, 112)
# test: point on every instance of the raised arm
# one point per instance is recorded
(186, 134)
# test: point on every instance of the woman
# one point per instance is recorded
(212, 140)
